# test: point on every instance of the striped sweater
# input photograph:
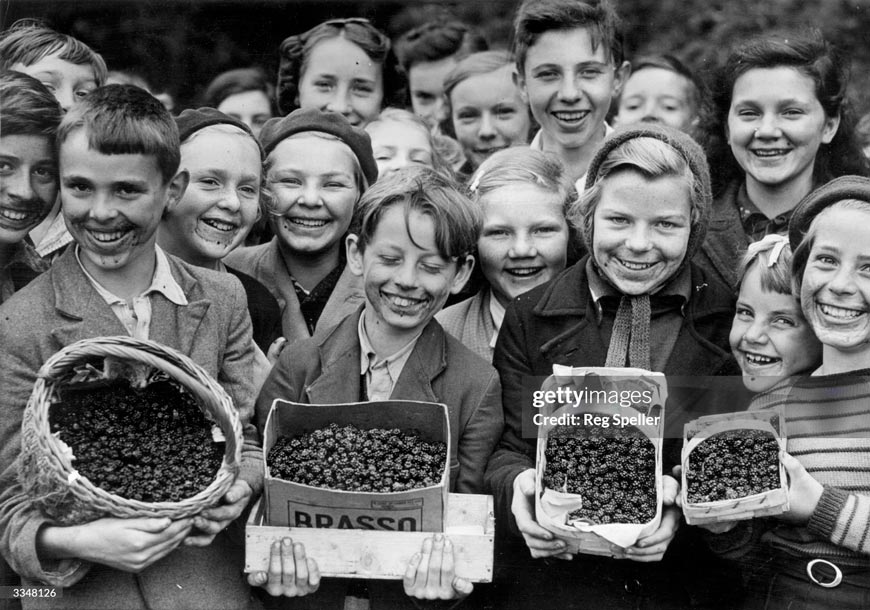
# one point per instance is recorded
(828, 429)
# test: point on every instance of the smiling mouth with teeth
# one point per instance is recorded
(841, 313)
(523, 271)
(106, 236)
(760, 359)
(768, 153)
(14, 215)
(308, 223)
(219, 225)
(635, 266)
(570, 116)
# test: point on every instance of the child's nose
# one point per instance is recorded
(310, 195)
(102, 208)
(569, 91)
(843, 281)
(65, 96)
(340, 101)
(768, 127)
(523, 246)
(638, 239)
(756, 332)
(230, 200)
(18, 185)
(487, 127)
(406, 275)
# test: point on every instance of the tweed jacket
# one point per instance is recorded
(470, 321)
(726, 241)
(61, 307)
(265, 263)
(325, 370)
(555, 324)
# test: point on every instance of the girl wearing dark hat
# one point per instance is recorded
(785, 128)
(317, 168)
(220, 206)
(817, 554)
(637, 301)
(342, 65)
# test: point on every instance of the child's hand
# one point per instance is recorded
(212, 520)
(430, 573)
(291, 573)
(129, 545)
(541, 543)
(653, 547)
(803, 491)
(275, 350)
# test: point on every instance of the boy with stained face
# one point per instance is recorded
(119, 159)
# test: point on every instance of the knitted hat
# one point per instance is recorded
(312, 119)
(690, 150)
(190, 121)
(838, 189)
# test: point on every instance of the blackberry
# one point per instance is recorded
(376, 460)
(613, 470)
(152, 444)
(733, 464)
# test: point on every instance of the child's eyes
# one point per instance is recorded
(209, 182)
(389, 260)
(364, 89)
(667, 224)
(250, 191)
(334, 184)
(77, 187)
(793, 112)
(45, 174)
(547, 75)
(287, 181)
(6, 167)
(323, 85)
(618, 220)
(505, 112)
(495, 233)
(743, 312)
(128, 191)
(431, 268)
(590, 73)
(826, 260)
(785, 321)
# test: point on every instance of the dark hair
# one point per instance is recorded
(536, 17)
(810, 54)
(28, 107)
(124, 119)
(237, 81)
(29, 41)
(294, 52)
(457, 221)
(436, 40)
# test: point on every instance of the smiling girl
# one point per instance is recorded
(525, 196)
(342, 65)
(770, 338)
(781, 103)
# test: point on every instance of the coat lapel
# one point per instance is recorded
(86, 313)
(339, 379)
(428, 359)
(177, 326)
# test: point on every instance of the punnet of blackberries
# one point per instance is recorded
(151, 444)
(351, 459)
(733, 464)
(614, 472)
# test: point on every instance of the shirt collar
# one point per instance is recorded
(537, 143)
(680, 286)
(369, 359)
(162, 281)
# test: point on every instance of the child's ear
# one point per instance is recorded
(463, 272)
(176, 189)
(354, 255)
(520, 82)
(620, 77)
(830, 129)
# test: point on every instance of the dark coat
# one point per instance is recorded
(555, 324)
(726, 241)
(264, 310)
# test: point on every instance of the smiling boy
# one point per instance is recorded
(119, 158)
(569, 66)
(410, 243)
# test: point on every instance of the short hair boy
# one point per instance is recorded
(119, 173)
(570, 64)
(410, 241)
(70, 69)
(28, 183)
(427, 54)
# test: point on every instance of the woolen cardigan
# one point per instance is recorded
(61, 307)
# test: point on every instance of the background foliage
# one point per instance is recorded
(179, 45)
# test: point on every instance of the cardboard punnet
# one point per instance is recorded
(552, 507)
(772, 502)
(297, 505)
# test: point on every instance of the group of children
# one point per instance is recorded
(390, 270)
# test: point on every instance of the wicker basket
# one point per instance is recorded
(47, 472)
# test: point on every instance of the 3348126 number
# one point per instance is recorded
(29, 592)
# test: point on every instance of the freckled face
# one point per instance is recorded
(524, 241)
(221, 203)
(28, 184)
(835, 291)
(770, 338)
(407, 280)
(641, 230)
(314, 186)
(338, 76)
(112, 204)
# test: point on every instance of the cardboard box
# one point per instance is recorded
(552, 508)
(772, 502)
(297, 505)
(378, 554)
